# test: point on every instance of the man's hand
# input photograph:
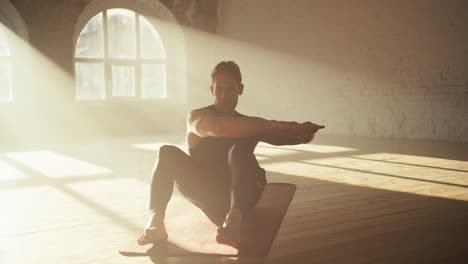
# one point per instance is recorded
(291, 133)
(311, 128)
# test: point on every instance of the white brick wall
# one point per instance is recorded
(396, 69)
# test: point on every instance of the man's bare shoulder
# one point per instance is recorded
(197, 113)
(198, 122)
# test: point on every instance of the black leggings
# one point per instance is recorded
(240, 187)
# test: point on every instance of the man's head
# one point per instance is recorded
(226, 85)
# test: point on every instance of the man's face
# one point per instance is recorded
(226, 91)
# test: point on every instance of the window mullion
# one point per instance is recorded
(107, 66)
(89, 60)
(138, 89)
(152, 61)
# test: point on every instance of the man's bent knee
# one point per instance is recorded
(241, 151)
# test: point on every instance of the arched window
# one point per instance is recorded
(6, 93)
(120, 54)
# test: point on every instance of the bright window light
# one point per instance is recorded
(9, 172)
(120, 54)
(6, 89)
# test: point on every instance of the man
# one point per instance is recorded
(221, 175)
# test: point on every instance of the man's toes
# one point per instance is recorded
(143, 240)
(223, 237)
(152, 235)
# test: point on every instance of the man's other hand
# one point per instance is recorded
(290, 133)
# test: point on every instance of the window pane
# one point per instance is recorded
(5, 81)
(123, 80)
(121, 33)
(89, 44)
(153, 80)
(4, 50)
(151, 44)
(90, 80)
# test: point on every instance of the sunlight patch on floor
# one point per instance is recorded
(156, 146)
(374, 174)
(9, 172)
(10, 250)
(122, 197)
(56, 165)
(399, 170)
(272, 151)
(40, 209)
(429, 162)
(307, 148)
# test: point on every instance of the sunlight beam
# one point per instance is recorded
(55, 165)
(8, 172)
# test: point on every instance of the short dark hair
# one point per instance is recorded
(227, 67)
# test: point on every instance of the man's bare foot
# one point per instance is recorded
(229, 233)
(152, 235)
(155, 230)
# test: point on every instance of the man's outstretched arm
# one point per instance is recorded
(206, 124)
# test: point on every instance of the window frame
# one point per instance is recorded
(110, 61)
(9, 60)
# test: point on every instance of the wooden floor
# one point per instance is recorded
(358, 201)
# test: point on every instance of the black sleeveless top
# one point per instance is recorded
(212, 153)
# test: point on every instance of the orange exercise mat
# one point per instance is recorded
(191, 233)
